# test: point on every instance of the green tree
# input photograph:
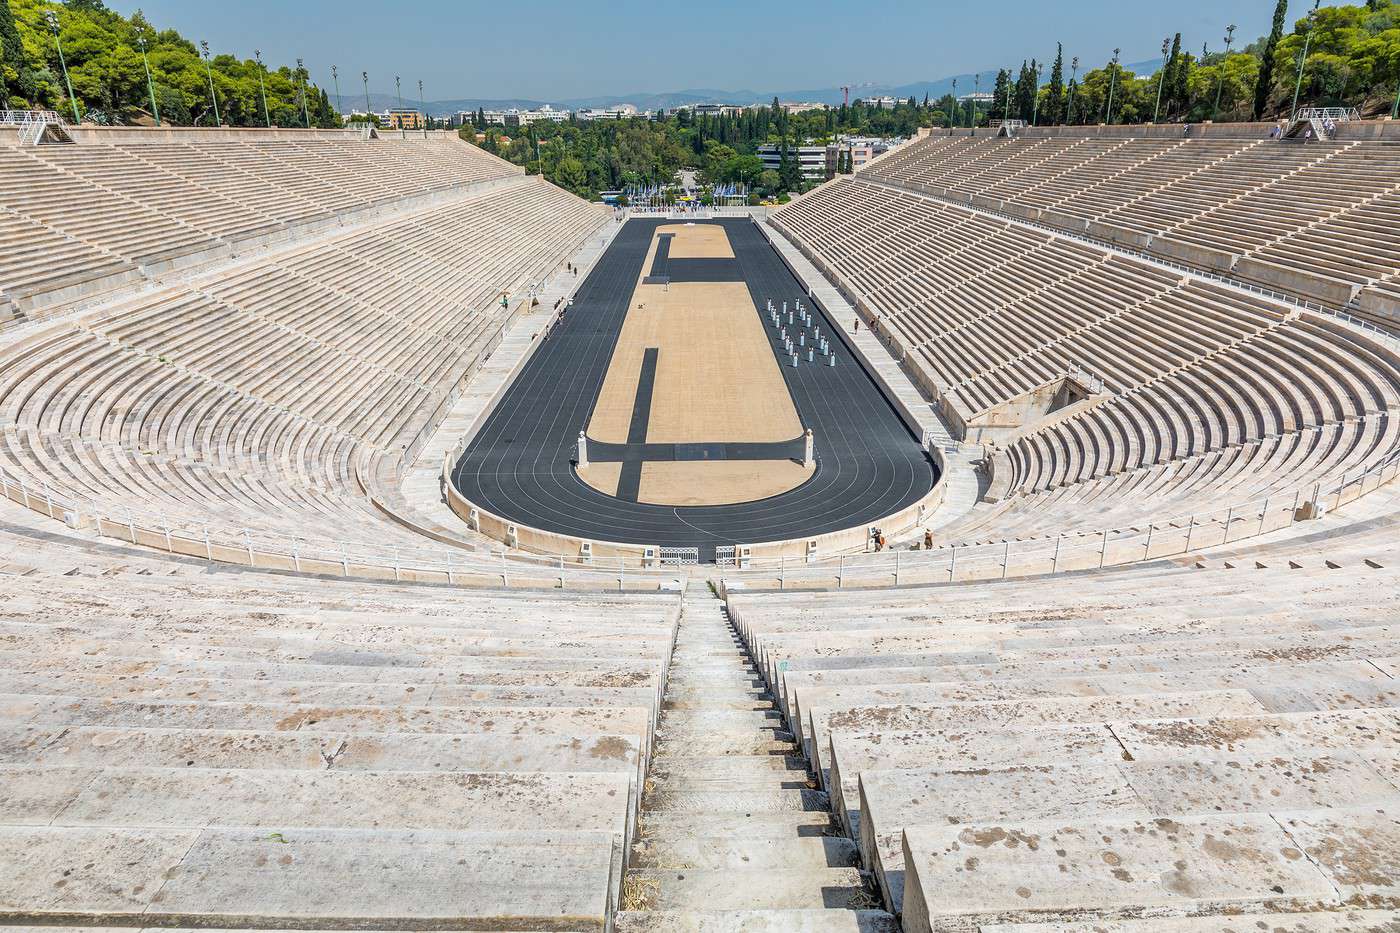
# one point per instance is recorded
(1054, 107)
(16, 76)
(1264, 86)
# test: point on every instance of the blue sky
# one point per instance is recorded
(557, 49)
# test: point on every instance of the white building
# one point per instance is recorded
(793, 107)
(812, 161)
(882, 103)
(713, 110)
(615, 112)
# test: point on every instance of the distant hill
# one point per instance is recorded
(672, 99)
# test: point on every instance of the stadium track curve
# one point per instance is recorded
(518, 467)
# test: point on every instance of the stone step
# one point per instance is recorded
(730, 768)
(695, 721)
(766, 742)
(98, 747)
(291, 877)
(679, 823)
(745, 889)
(737, 701)
(755, 921)
(194, 798)
(746, 800)
(715, 852)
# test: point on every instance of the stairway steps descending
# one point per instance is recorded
(734, 834)
(756, 921)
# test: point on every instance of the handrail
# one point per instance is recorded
(1086, 549)
(28, 117)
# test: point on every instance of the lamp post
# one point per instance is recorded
(1006, 113)
(1303, 60)
(301, 81)
(364, 76)
(1161, 79)
(423, 103)
(150, 84)
(1073, 74)
(213, 95)
(335, 76)
(955, 103)
(1112, 86)
(1035, 95)
(51, 18)
(262, 87)
(1220, 84)
(1395, 107)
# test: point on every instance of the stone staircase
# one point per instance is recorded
(733, 833)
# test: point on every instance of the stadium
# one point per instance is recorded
(999, 536)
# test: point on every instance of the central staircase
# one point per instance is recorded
(733, 834)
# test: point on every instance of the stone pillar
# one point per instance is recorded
(808, 456)
(582, 450)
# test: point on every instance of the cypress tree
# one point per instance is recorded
(1169, 80)
(1264, 84)
(1055, 94)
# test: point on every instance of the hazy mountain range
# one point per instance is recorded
(673, 99)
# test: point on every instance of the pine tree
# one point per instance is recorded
(1055, 94)
(1264, 85)
(16, 77)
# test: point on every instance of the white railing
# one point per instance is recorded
(1090, 549)
(1335, 114)
(455, 566)
(29, 117)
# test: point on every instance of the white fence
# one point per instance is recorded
(29, 117)
(1154, 539)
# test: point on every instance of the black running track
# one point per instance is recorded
(869, 464)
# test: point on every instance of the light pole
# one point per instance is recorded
(1035, 106)
(955, 103)
(1073, 74)
(1006, 115)
(51, 18)
(301, 81)
(335, 76)
(423, 103)
(1112, 86)
(262, 87)
(150, 84)
(1161, 79)
(364, 76)
(1395, 107)
(1303, 61)
(1220, 84)
(977, 92)
(213, 95)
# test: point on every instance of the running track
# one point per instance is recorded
(518, 466)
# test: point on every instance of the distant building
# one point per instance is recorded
(980, 97)
(400, 119)
(862, 148)
(548, 114)
(812, 161)
(615, 112)
(882, 103)
(713, 110)
(791, 107)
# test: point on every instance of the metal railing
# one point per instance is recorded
(271, 551)
(1089, 549)
(1335, 114)
(29, 118)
